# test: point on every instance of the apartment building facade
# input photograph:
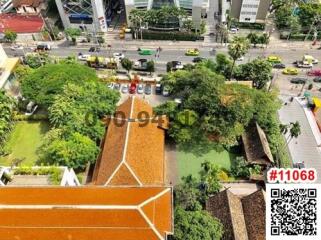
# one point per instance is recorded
(97, 15)
(250, 11)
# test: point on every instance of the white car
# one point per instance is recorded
(240, 59)
(124, 88)
(119, 56)
(140, 89)
(111, 85)
(16, 47)
(83, 57)
(31, 108)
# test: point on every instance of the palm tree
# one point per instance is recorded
(221, 30)
(295, 130)
(236, 49)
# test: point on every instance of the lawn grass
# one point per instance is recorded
(190, 162)
(24, 141)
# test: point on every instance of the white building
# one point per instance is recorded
(7, 65)
(96, 15)
(250, 11)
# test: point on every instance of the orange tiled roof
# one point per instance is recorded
(47, 213)
(132, 152)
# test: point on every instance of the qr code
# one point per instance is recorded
(292, 211)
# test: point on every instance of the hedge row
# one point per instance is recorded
(298, 36)
(178, 36)
(256, 26)
(34, 117)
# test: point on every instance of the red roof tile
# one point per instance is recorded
(63, 213)
(137, 145)
(20, 24)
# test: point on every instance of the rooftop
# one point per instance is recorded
(242, 218)
(132, 151)
(20, 24)
(32, 3)
(256, 146)
(85, 213)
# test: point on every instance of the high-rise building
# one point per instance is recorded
(250, 11)
(97, 15)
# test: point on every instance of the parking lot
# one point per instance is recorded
(153, 99)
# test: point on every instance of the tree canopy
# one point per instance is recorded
(45, 82)
(222, 111)
(259, 71)
(6, 115)
(79, 108)
(74, 150)
(191, 225)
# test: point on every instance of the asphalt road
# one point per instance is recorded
(166, 55)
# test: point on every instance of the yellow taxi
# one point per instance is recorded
(192, 52)
(290, 71)
(274, 59)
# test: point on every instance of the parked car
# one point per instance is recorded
(198, 59)
(317, 79)
(94, 49)
(240, 59)
(192, 52)
(132, 88)
(290, 71)
(165, 91)
(117, 86)
(274, 59)
(118, 56)
(158, 89)
(111, 85)
(140, 89)
(83, 57)
(148, 89)
(43, 47)
(299, 165)
(31, 108)
(16, 47)
(140, 64)
(124, 88)
(278, 65)
(314, 72)
(298, 80)
(233, 30)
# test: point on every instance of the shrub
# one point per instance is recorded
(222, 176)
(54, 173)
(256, 26)
(34, 117)
(179, 36)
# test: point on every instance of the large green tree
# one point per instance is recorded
(187, 194)
(10, 36)
(79, 108)
(74, 150)
(192, 225)
(47, 81)
(222, 111)
(259, 71)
